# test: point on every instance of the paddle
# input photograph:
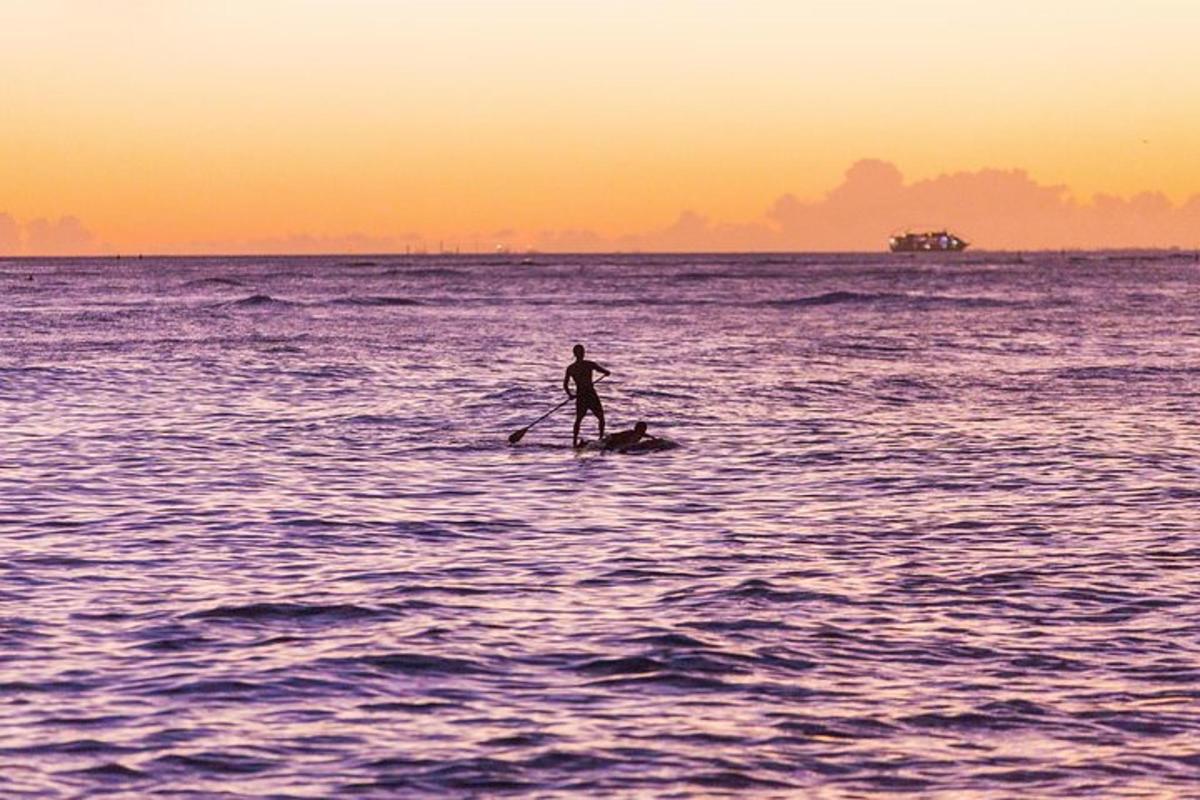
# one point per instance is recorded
(517, 436)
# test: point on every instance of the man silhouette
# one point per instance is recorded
(585, 395)
(623, 440)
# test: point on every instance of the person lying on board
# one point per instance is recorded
(623, 440)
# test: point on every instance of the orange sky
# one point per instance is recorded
(223, 126)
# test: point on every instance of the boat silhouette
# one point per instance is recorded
(929, 242)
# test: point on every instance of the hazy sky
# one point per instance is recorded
(188, 125)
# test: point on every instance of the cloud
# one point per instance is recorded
(10, 236)
(62, 236)
(65, 236)
(992, 208)
(1001, 209)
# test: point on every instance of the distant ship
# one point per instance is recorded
(931, 242)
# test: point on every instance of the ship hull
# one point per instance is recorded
(933, 242)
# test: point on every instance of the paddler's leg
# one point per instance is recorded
(598, 410)
(580, 413)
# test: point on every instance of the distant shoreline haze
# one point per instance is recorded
(993, 209)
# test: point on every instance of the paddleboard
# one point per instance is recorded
(644, 446)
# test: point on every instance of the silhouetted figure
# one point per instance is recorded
(585, 395)
(623, 440)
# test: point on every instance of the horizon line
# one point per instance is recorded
(527, 253)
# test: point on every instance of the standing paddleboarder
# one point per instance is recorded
(585, 395)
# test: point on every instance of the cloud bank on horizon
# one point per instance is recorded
(63, 236)
(992, 208)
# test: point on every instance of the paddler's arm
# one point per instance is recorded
(601, 369)
(567, 384)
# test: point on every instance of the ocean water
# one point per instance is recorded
(932, 527)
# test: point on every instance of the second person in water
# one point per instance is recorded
(586, 399)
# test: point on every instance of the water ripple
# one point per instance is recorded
(929, 528)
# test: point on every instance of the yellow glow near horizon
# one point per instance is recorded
(191, 124)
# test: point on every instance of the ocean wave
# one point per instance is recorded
(669, 680)
(375, 301)
(79, 747)
(864, 298)
(286, 612)
(728, 275)
(1125, 372)
(111, 771)
(203, 283)
(258, 301)
(65, 686)
(424, 272)
(413, 663)
(35, 369)
(829, 299)
(737, 780)
(211, 763)
(630, 665)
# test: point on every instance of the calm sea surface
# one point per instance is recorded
(933, 527)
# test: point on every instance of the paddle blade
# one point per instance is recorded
(516, 436)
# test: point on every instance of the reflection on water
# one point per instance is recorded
(932, 528)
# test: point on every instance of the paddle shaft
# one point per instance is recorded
(556, 408)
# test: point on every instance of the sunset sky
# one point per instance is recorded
(299, 125)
